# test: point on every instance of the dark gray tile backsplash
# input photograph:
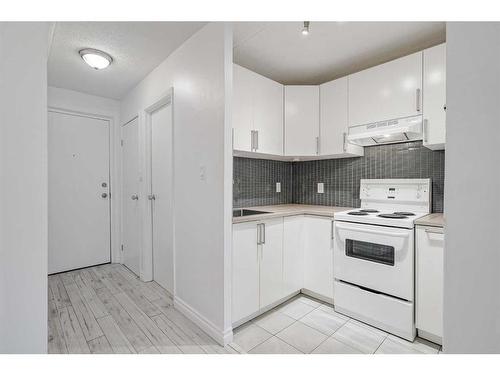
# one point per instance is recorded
(254, 179)
(254, 182)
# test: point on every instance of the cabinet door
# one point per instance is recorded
(268, 115)
(301, 120)
(318, 256)
(293, 254)
(388, 91)
(334, 119)
(435, 97)
(242, 108)
(271, 262)
(429, 280)
(245, 271)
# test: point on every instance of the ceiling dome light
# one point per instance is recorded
(305, 29)
(95, 58)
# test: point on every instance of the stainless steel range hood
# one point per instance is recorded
(383, 132)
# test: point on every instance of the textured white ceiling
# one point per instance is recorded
(136, 48)
(279, 51)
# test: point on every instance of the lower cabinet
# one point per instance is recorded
(257, 266)
(293, 254)
(318, 256)
(273, 259)
(429, 282)
(245, 269)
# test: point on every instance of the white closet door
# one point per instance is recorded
(78, 201)
(161, 188)
(131, 210)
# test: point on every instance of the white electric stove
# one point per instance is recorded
(374, 254)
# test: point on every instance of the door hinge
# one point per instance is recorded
(122, 247)
(121, 142)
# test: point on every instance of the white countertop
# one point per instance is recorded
(282, 210)
(433, 220)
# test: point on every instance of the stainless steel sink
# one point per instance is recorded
(237, 212)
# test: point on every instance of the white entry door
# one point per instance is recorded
(161, 190)
(131, 209)
(78, 201)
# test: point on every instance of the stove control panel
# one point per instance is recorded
(414, 192)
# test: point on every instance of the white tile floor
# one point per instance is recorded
(304, 325)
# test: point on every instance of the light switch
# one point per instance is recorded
(203, 173)
(321, 187)
(278, 187)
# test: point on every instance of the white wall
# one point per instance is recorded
(74, 101)
(197, 72)
(23, 187)
(472, 186)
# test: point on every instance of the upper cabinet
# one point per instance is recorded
(334, 120)
(312, 122)
(388, 91)
(242, 108)
(435, 97)
(301, 120)
(257, 113)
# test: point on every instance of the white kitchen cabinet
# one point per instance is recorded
(242, 108)
(434, 77)
(293, 254)
(257, 113)
(271, 261)
(301, 120)
(257, 266)
(318, 256)
(334, 108)
(268, 115)
(429, 282)
(245, 271)
(388, 91)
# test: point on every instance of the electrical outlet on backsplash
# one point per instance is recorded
(255, 179)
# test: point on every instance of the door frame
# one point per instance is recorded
(114, 189)
(145, 139)
(139, 192)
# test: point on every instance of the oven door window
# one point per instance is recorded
(370, 251)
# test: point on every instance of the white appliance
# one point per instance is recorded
(383, 132)
(374, 254)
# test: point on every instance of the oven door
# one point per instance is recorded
(375, 257)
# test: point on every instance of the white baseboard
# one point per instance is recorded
(221, 337)
(264, 309)
(321, 297)
(430, 337)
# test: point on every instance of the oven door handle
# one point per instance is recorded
(379, 232)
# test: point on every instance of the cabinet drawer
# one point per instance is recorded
(388, 313)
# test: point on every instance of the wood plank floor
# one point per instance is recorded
(107, 309)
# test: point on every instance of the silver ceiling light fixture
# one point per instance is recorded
(305, 29)
(96, 59)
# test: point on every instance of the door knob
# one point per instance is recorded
(104, 195)
(134, 197)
